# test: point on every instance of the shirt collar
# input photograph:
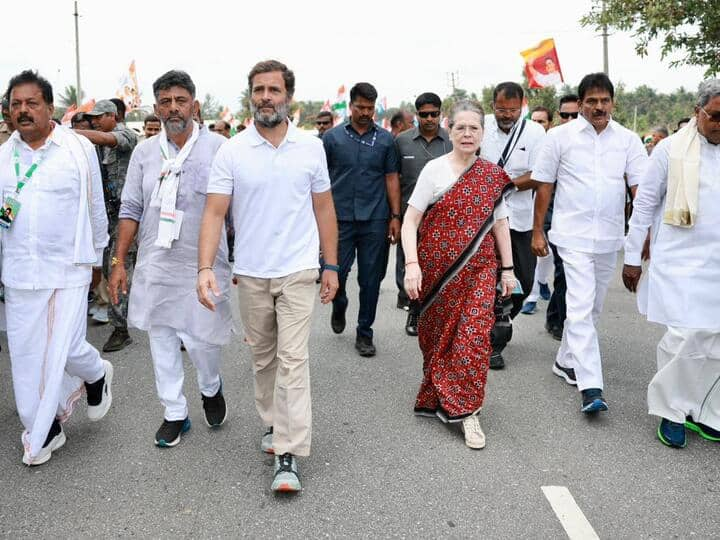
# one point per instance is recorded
(441, 134)
(257, 139)
(581, 124)
(348, 125)
(56, 137)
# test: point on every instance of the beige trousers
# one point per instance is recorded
(276, 314)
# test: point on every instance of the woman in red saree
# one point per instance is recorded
(453, 268)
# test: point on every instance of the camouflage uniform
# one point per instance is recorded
(114, 164)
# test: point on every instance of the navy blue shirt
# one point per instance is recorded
(357, 165)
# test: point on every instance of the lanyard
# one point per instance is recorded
(25, 178)
(358, 139)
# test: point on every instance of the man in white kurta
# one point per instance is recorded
(163, 301)
(55, 232)
(682, 288)
(588, 159)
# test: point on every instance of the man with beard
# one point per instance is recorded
(363, 166)
(115, 142)
(513, 143)
(52, 186)
(277, 179)
(323, 122)
(415, 148)
(588, 161)
(162, 204)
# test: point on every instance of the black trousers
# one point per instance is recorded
(557, 309)
(524, 262)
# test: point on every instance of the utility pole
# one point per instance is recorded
(606, 68)
(453, 80)
(78, 89)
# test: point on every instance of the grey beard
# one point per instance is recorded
(273, 119)
(175, 126)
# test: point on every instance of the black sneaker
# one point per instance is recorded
(403, 302)
(215, 409)
(593, 401)
(337, 321)
(411, 325)
(170, 432)
(364, 346)
(118, 340)
(555, 331)
(497, 361)
(565, 373)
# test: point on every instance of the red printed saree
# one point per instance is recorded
(459, 268)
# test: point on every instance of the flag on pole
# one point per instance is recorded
(326, 106)
(73, 109)
(339, 107)
(227, 116)
(542, 65)
(380, 108)
(129, 90)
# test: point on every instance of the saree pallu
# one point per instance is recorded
(458, 260)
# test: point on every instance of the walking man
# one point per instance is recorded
(162, 204)
(415, 148)
(588, 160)
(513, 143)
(678, 199)
(277, 179)
(53, 190)
(363, 166)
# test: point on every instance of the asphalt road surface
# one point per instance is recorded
(376, 470)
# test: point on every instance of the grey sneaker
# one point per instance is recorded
(286, 478)
(266, 442)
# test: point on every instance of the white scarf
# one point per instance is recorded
(164, 195)
(683, 177)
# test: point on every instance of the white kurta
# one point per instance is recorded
(163, 291)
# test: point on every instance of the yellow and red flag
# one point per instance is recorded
(542, 65)
(73, 109)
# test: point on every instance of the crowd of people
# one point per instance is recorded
(483, 214)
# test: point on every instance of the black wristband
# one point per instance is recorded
(396, 216)
(503, 268)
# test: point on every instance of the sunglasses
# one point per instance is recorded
(323, 122)
(714, 116)
(566, 115)
(426, 114)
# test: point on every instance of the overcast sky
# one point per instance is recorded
(402, 47)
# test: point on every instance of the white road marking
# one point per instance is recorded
(568, 512)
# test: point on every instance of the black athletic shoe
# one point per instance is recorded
(118, 340)
(215, 409)
(497, 361)
(364, 346)
(411, 326)
(593, 401)
(555, 331)
(170, 432)
(337, 321)
(565, 373)
(403, 302)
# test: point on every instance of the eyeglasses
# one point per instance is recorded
(566, 115)
(323, 123)
(426, 114)
(507, 111)
(715, 116)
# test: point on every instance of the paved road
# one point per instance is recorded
(376, 470)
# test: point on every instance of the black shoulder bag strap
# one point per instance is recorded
(513, 139)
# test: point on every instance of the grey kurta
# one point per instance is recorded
(163, 290)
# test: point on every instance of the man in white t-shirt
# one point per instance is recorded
(278, 181)
(516, 142)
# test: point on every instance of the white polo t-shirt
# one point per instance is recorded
(275, 229)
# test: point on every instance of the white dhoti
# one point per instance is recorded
(50, 356)
(169, 372)
(544, 273)
(687, 382)
(588, 276)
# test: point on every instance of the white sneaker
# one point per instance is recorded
(101, 315)
(266, 444)
(46, 453)
(474, 436)
(101, 397)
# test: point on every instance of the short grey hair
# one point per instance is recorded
(466, 105)
(708, 90)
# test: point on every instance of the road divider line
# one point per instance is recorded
(568, 512)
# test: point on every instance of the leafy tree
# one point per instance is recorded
(688, 27)
(68, 97)
(210, 107)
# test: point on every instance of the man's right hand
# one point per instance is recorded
(538, 244)
(207, 286)
(117, 282)
(631, 277)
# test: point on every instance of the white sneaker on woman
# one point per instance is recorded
(474, 436)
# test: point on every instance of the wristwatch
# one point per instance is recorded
(396, 216)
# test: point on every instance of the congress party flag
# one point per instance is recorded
(542, 65)
(339, 107)
(129, 90)
(73, 109)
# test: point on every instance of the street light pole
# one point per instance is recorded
(606, 68)
(78, 90)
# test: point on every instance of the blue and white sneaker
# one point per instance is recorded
(593, 401)
(170, 432)
(544, 291)
(528, 308)
(286, 478)
(671, 434)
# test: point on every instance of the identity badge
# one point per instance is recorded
(9, 211)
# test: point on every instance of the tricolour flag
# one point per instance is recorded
(326, 106)
(227, 116)
(129, 90)
(542, 65)
(339, 107)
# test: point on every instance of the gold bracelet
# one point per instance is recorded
(114, 261)
(204, 268)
